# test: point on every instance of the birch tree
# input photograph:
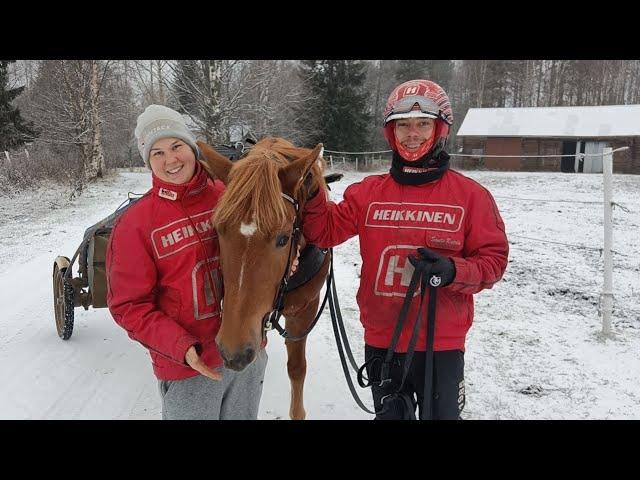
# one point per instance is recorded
(274, 96)
(151, 79)
(210, 92)
(65, 104)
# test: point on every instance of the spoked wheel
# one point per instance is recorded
(63, 303)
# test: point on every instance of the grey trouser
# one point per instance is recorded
(235, 397)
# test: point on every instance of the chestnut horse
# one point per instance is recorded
(255, 221)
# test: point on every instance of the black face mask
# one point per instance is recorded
(431, 166)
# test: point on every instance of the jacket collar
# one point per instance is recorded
(427, 169)
(184, 191)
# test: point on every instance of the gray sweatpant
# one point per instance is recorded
(235, 397)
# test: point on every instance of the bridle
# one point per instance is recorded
(270, 320)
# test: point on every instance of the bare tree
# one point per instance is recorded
(477, 80)
(119, 112)
(272, 93)
(151, 79)
(381, 80)
(66, 104)
(210, 92)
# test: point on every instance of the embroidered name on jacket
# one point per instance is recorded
(180, 234)
(421, 216)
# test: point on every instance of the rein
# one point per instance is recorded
(418, 278)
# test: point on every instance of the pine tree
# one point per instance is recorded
(411, 70)
(439, 71)
(338, 104)
(14, 131)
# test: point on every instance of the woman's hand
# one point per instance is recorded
(194, 361)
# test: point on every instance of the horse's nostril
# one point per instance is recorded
(248, 355)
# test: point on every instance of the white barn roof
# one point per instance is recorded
(599, 121)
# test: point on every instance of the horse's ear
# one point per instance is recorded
(216, 165)
(291, 175)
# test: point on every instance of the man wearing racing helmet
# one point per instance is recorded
(425, 216)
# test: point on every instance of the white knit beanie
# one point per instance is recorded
(158, 121)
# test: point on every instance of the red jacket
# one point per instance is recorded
(454, 216)
(159, 288)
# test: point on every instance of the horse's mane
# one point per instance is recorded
(253, 192)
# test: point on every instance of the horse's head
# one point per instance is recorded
(255, 223)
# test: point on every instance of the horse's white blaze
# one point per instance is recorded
(248, 229)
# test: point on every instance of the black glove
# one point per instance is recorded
(441, 269)
(332, 177)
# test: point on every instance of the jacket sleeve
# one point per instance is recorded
(131, 295)
(326, 224)
(486, 248)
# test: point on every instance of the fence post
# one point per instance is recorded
(356, 164)
(331, 161)
(606, 299)
(8, 157)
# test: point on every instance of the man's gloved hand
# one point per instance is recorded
(441, 269)
(332, 177)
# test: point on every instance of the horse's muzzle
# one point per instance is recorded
(238, 361)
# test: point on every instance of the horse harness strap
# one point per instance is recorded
(311, 260)
(270, 320)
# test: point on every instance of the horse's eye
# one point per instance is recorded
(282, 240)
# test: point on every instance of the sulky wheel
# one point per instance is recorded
(63, 303)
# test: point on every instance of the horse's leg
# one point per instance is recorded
(296, 359)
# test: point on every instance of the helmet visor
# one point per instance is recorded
(405, 108)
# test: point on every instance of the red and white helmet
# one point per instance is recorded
(419, 99)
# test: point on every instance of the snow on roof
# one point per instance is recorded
(592, 121)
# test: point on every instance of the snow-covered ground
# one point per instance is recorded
(534, 351)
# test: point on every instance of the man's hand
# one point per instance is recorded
(194, 361)
(294, 264)
(312, 190)
(441, 269)
(332, 177)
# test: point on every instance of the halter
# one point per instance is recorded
(270, 320)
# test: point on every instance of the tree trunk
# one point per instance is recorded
(481, 73)
(161, 95)
(213, 122)
(95, 160)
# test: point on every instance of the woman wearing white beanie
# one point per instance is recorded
(164, 278)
